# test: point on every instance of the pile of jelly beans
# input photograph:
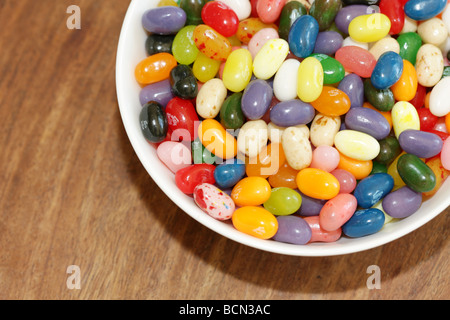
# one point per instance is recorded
(300, 121)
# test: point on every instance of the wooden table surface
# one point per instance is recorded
(73, 192)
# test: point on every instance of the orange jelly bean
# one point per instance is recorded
(285, 177)
(251, 191)
(211, 43)
(216, 139)
(440, 172)
(247, 28)
(386, 114)
(255, 221)
(155, 68)
(359, 169)
(267, 162)
(447, 122)
(332, 102)
(406, 87)
(317, 183)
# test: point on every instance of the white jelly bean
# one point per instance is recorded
(384, 45)
(210, 98)
(323, 130)
(357, 145)
(429, 65)
(242, 8)
(252, 137)
(440, 98)
(409, 26)
(275, 132)
(351, 42)
(296, 147)
(446, 17)
(285, 82)
(433, 31)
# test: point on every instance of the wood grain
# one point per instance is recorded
(73, 192)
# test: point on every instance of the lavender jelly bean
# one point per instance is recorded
(160, 92)
(328, 42)
(164, 20)
(310, 206)
(293, 229)
(291, 113)
(420, 143)
(353, 86)
(402, 203)
(348, 13)
(368, 121)
(256, 99)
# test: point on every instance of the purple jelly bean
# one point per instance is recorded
(402, 203)
(353, 86)
(293, 229)
(310, 206)
(348, 13)
(164, 20)
(256, 99)
(160, 92)
(368, 121)
(328, 42)
(420, 143)
(291, 113)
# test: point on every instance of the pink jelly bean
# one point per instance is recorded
(445, 154)
(356, 60)
(346, 179)
(337, 211)
(175, 155)
(319, 234)
(325, 158)
(214, 201)
(269, 10)
(260, 38)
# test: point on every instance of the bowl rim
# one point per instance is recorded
(159, 173)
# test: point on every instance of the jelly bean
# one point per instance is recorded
(445, 154)
(387, 71)
(328, 42)
(325, 158)
(406, 87)
(303, 35)
(372, 189)
(210, 98)
(242, 8)
(214, 201)
(389, 150)
(357, 145)
(446, 17)
(269, 58)
(190, 177)
(231, 116)
(419, 99)
(440, 97)
(364, 223)
(410, 44)
(216, 139)
(255, 221)
(332, 102)
(415, 173)
(447, 122)
(184, 49)
(369, 27)
(356, 60)
(381, 99)
(404, 117)
(291, 11)
(260, 38)
(325, 11)
(238, 70)
(384, 45)
(367, 121)
(164, 20)
(317, 183)
(182, 119)
(229, 173)
(427, 120)
(160, 92)
(253, 136)
(211, 43)
(348, 42)
(283, 201)
(446, 72)
(291, 113)
(164, 3)
(433, 31)
(440, 172)
(220, 17)
(174, 155)
(347, 14)
(333, 70)
(285, 81)
(323, 130)
(430, 65)
(310, 79)
(297, 148)
(285, 177)
(204, 68)
(200, 154)
(249, 27)
(310, 206)
(193, 9)
(378, 168)
(267, 162)
(153, 121)
(402, 203)
(346, 180)
(420, 143)
(393, 9)
(293, 229)
(269, 10)
(155, 68)
(353, 86)
(359, 169)
(251, 191)
(386, 114)
(337, 211)
(424, 9)
(256, 99)
(157, 43)
(320, 235)
(393, 172)
(183, 82)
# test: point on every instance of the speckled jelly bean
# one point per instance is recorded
(325, 158)
(369, 27)
(333, 70)
(154, 68)
(210, 98)
(211, 43)
(368, 121)
(353, 86)
(220, 17)
(372, 189)
(297, 147)
(347, 14)
(252, 137)
(164, 20)
(269, 58)
(291, 11)
(381, 99)
(255, 221)
(337, 211)
(251, 191)
(256, 99)
(402, 203)
(216, 139)
(433, 31)
(332, 102)
(157, 43)
(346, 180)
(182, 119)
(317, 183)
(249, 27)
(420, 143)
(160, 92)
(328, 42)
(153, 122)
(429, 65)
(214, 201)
(175, 155)
(183, 82)
(310, 79)
(229, 173)
(190, 177)
(440, 97)
(184, 49)
(318, 234)
(193, 9)
(424, 9)
(404, 117)
(415, 173)
(387, 71)
(364, 223)
(291, 113)
(323, 129)
(357, 145)
(303, 36)
(238, 70)
(283, 201)
(356, 60)
(285, 81)
(293, 229)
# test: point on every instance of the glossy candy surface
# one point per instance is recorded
(364, 223)
(182, 118)
(269, 59)
(211, 43)
(238, 70)
(216, 139)
(310, 79)
(164, 20)
(387, 71)
(220, 17)
(214, 201)
(293, 229)
(155, 68)
(337, 211)
(332, 102)
(255, 221)
(424, 9)
(317, 183)
(283, 201)
(187, 179)
(369, 28)
(303, 35)
(372, 189)
(153, 122)
(415, 173)
(356, 60)
(251, 191)
(256, 99)
(184, 49)
(183, 82)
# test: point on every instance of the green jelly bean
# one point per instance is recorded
(290, 12)
(410, 44)
(333, 70)
(446, 72)
(231, 115)
(324, 11)
(389, 150)
(415, 173)
(193, 9)
(200, 154)
(283, 201)
(378, 168)
(383, 99)
(184, 49)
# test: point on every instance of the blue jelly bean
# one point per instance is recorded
(363, 223)
(353, 86)
(388, 70)
(303, 35)
(229, 173)
(368, 121)
(424, 9)
(291, 113)
(164, 20)
(372, 189)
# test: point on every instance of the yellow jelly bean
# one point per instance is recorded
(357, 145)
(406, 87)
(369, 27)
(270, 58)
(404, 117)
(255, 221)
(238, 70)
(251, 191)
(317, 183)
(393, 172)
(216, 139)
(309, 80)
(204, 68)
(164, 3)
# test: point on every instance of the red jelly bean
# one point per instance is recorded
(419, 100)
(188, 178)
(254, 3)
(443, 135)
(427, 119)
(393, 9)
(220, 17)
(356, 60)
(183, 119)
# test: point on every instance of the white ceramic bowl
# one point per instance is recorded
(130, 52)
